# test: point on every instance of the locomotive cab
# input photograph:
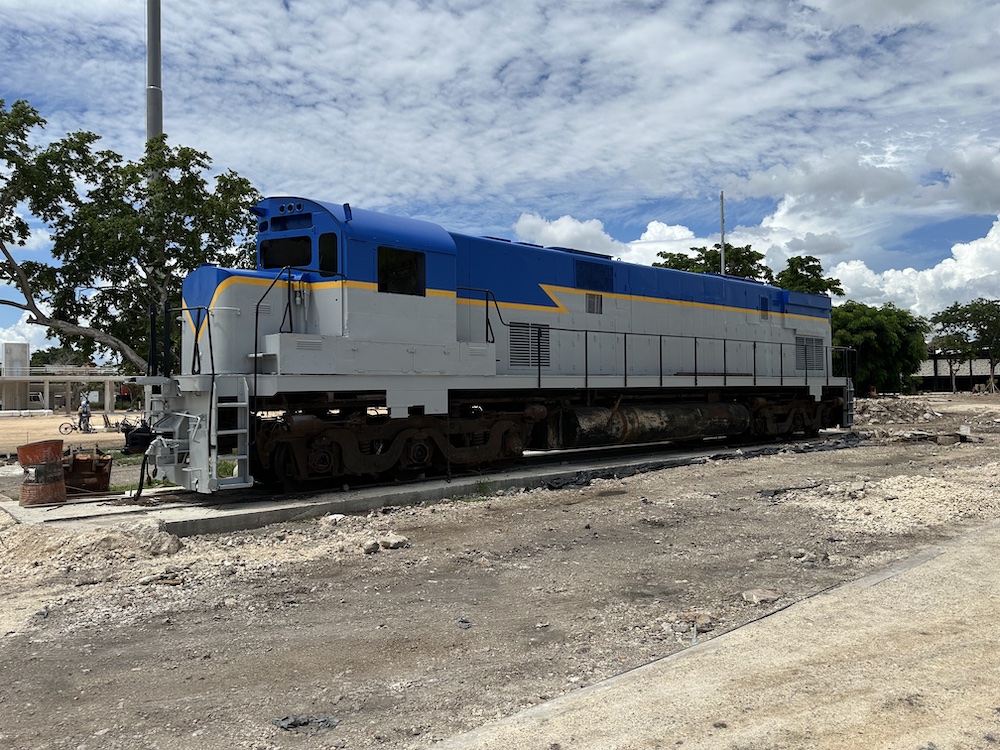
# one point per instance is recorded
(361, 294)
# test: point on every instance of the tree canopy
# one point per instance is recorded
(983, 321)
(889, 343)
(804, 273)
(123, 233)
(58, 355)
(744, 262)
(952, 339)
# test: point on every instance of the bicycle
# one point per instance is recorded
(84, 425)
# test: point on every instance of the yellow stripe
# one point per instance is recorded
(219, 289)
(551, 291)
(313, 287)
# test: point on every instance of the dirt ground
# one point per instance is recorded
(295, 637)
(15, 431)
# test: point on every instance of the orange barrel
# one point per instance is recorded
(44, 481)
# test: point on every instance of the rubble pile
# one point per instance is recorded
(900, 503)
(41, 545)
(881, 411)
(985, 421)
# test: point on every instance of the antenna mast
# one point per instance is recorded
(722, 225)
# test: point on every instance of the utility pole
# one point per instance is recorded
(722, 224)
(154, 129)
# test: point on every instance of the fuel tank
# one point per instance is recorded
(588, 426)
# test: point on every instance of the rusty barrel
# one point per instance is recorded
(43, 473)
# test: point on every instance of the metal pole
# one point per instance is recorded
(154, 128)
(722, 226)
(154, 90)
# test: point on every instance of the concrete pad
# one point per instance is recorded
(223, 512)
(904, 658)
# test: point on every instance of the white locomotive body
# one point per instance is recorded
(365, 343)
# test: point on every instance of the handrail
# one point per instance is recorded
(837, 360)
(487, 295)
(256, 328)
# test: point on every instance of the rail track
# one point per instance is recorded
(553, 469)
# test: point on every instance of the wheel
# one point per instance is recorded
(66, 428)
(284, 468)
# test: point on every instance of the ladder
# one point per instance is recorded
(848, 418)
(241, 476)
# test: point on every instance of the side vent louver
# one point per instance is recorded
(529, 342)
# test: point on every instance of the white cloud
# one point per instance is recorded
(24, 332)
(971, 179)
(855, 122)
(567, 232)
(886, 15)
(657, 231)
(590, 235)
(971, 271)
(662, 238)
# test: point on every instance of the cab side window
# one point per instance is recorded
(401, 272)
(328, 254)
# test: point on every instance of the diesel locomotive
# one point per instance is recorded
(365, 344)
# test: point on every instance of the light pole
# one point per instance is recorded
(154, 90)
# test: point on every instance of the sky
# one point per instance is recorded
(862, 132)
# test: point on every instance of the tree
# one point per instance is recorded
(983, 318)
(889, 343)
(952, 341)
(123, 233)
(58, 355)
(804, 273)
(743, 262)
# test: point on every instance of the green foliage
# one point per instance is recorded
(952, 340)
(124, 233)
(743, 262)
(889, 343)
(805, 274)
(983, 317)
(58, 355)
(968, 331)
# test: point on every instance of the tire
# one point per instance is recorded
(66, 428)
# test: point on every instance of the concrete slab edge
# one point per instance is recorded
(554, 707)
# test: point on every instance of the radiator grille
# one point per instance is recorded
(808, 353)
(529, 342)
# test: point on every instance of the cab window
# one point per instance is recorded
(401, 272)
(328, 254)
(285, 251)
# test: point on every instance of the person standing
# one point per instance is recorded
(84, 421)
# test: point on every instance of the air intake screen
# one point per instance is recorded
(808, 353)
(529, 343)
(597, 277)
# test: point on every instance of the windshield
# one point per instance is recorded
(286, 251)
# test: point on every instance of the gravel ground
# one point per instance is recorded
(304, 636)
